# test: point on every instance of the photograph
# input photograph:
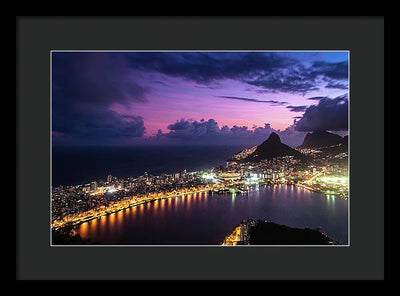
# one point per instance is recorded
(213, 148)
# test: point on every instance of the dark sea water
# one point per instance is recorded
(205, 219)
(72, 166)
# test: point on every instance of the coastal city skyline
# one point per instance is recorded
(200, 148)
(182, 98)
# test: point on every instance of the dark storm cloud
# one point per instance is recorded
(161, 82)
(270, 72)
(337, 85)
(343, 97)
(272, 102)
(302, 79)
(331, 70)
(179, 125)
(297, 108)
(94, 78)
(79, 121)
(295, 79)
(213, 85)
(87, 85)
(208, 132)
(317, 98)
(284, 84)
(204, 129)
(188, 128)
(84, 87)
(207, 67)
(328, 114)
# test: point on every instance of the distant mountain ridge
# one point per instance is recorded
(342, 147)
(271, 148)
(319, 139)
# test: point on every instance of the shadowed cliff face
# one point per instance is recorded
(273, 138)
(320, 139)
(272, 147)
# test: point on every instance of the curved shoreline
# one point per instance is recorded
(74, 224)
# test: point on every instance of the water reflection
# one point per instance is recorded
(203, 218)
(83, 230)
(111, 222)
(120, 220)
(103, 222)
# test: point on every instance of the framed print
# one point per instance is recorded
(191, 155)
(200, 147)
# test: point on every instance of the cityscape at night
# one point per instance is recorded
(225, 148)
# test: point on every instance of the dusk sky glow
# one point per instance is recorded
(140, 98)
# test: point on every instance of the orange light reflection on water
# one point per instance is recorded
(120, 217)
(92, 227)
(83, 230)
(112, 221)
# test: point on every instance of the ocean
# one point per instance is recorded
(73, 166)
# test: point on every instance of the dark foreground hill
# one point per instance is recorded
(320, 139)
(66, 236)
(271, 148)
(268, 233)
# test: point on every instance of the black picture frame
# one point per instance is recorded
(37, 35)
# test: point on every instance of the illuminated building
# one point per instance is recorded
(125, 184)
(230, 163)
(86, 188)
(229, 176)
(243, 231)
(93, 186)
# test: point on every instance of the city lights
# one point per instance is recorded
(253, 179)
(72, 205)
(334, 180)
(210, 177)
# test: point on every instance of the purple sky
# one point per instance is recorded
(139, 98)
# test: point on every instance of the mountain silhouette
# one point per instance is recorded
(342, 147)
(271, 148)
(319, 139)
